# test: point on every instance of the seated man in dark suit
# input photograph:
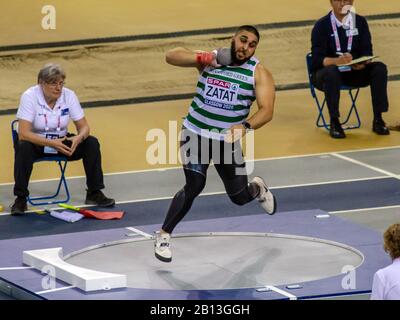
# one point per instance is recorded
(336, 42)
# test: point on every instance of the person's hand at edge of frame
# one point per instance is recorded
(73, 142)
(60, 146)
(344, 59)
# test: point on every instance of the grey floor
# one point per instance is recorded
(279, 173)
(222, 262)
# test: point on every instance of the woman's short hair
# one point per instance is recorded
(51, 72)
(391, 239)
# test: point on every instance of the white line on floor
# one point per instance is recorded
(180, 167)
(56, 289)
(137, 231)
(325, 153)
(15, 268)
(365, 209)
(328, 182)
(282, 292)
(365, 165)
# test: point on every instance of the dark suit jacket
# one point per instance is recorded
(323, 41)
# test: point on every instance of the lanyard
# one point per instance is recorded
(46, 122)
(335, 32)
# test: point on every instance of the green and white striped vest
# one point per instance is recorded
(223, 98)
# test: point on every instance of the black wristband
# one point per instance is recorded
(246, 125)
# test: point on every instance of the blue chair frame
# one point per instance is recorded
(62, 163)
(321, 122)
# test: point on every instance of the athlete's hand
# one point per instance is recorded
(205, 58)
(235, 133)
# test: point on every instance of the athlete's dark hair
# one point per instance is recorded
(249, 28)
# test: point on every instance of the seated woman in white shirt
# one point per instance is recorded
(386, 284)
(43, 116)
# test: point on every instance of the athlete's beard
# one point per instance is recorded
(235, 60)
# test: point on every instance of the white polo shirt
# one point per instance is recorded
(386, 284)
(33, 108)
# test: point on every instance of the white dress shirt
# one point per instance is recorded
(386, 284)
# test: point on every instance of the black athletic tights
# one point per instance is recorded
(236, 186)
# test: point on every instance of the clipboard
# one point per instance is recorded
(359, 60)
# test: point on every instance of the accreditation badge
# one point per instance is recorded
(344, 68)
(352, 32)
(47, 149)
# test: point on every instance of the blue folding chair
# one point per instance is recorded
(62, 163)
(321, 122)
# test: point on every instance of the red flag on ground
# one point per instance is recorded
(102, 215)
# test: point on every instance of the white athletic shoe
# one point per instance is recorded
(265, 197)
(162, 249)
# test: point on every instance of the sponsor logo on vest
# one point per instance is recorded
(219, 83)
(220, 90)
(230, 74)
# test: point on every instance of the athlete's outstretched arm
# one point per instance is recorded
(183, 57)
